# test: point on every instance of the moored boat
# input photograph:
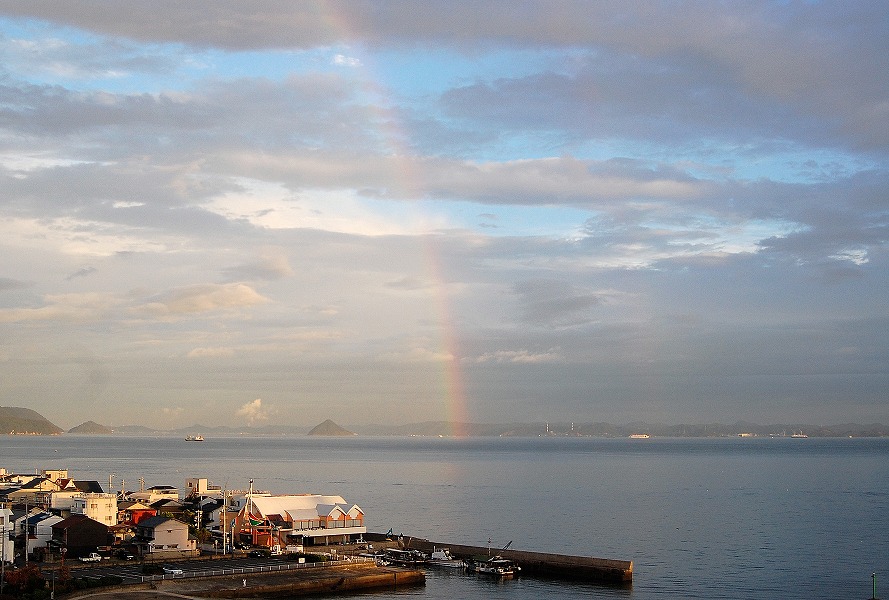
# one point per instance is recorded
(396, 556)
(496, 566)
(441, 557)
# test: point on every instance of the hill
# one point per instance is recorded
(24, 421)
(329, 428)
(92, 428)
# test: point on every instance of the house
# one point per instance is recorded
(78, 535)
(38, 526)
(168, 507)
(308, 519)
(62, 500)
(99, 507)
(199, 487)
(211, 513)
(131, 513)
(35, 492)
(7, 548)
(163, 535)
(155, 493)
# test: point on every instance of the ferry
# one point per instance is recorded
(639, 436)
(194, 438)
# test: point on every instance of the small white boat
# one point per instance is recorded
(639, 436)
(194, 438)
(443, 558)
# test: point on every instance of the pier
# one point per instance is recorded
(562, 566)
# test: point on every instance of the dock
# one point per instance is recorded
(561, 566)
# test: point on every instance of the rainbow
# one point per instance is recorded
(408, 183)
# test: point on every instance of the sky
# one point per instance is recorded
(274, 212)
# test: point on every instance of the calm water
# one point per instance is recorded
(733, 518)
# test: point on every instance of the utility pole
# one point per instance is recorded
(224, 519)
(26, 530)
(3, 553)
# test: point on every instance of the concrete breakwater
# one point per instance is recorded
(562, 566)
(329, 583)
(339, 579)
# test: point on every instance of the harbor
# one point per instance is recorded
(541, 564)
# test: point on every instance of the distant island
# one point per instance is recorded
(329, 428)
(24, 421)
(91, 428)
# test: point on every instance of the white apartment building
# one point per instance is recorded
(98, 507)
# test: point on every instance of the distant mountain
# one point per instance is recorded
(329, 428)
(15, 420)
(91, 428)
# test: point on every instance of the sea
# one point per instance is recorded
(741, 518)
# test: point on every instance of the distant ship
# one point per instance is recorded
(194, 438)
(798, 435)
(639, 436)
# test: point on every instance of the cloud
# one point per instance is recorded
(203, 298)
(556, 303)
(7, 284)
(519, 356)
(253, 412)
(346, 61)
(271, 265)
(211, 353)
(71, 308)
(82, 272)
(419, 355)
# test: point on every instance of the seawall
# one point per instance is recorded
(562, 566)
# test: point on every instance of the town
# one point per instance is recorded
(51, 516)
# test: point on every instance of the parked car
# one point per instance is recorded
(124, 555)
(91, 557)
(258, 553)
(171, 570)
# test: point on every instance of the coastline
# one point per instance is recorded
(330, 580)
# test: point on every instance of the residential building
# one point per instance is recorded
(63, 500)
(163, 535)
(307, 519)
(35, 492)
(99, 507)
(7, 547)
(34, 531)
(78, 535)
(131, 513)
(200, 487)
(155, 493)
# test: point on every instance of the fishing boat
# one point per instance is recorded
(496, 566)
(194, 438)
(396, 556)
(441, 557)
